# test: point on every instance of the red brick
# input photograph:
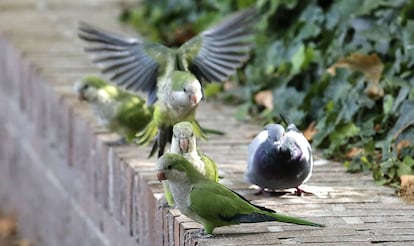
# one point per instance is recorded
(101, 174)
(135, 211)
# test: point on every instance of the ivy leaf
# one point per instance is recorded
(287, 101)
(340, 12)
(408, 37)
(205, 21)
(242, 111)
(404, 127)
(369, 5)
(211, 90)
(344, 131)
(388, 103)
(298, 58)
(402, 95)
(405, 167)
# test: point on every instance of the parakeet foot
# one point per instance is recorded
(162, 203)
(300, 192)
(202, 234)
(196, 234)
(260, 192)
(163, 137)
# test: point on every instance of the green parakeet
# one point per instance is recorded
(172, 77)
(184, 143)
(116, 109)
(211, 203)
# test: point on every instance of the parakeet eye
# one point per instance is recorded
(86, 86)
(185, 89)
(169, 167)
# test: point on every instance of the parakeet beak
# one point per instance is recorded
(161, 176)
(194, 99)
(183, 145)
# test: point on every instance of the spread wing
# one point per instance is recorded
(216, 53)
(130, 62)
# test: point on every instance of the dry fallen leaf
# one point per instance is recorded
(402, 144)
(377, 127)
(352, 152)
(181, 35)
(310, 131)
(22, 243)
(374, 91)
(407, 180)
(370, 65)
(7, 226)
(229, 85)
(264, 98)
(407, 188)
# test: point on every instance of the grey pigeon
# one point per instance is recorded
(279, 159)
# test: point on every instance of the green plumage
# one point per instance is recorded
(172, 78)
(210, 203)
(184, 143)
(116, 109)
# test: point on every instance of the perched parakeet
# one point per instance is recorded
(279, 159)
(211, 203)
(184, 143)
(172, 77)
(116, 109)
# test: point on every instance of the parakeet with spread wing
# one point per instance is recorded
(172, 77)
(211, 203)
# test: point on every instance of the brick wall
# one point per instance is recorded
(59, 175)
(57, 172)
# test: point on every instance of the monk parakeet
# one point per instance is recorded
(184, 143)
(172, 77)
(211, 203)
(116, 109)
(279, 159)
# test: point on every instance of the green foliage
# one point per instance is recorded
(172, 22)
(363, 117)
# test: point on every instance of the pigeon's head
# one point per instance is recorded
(289, 149)
(275, 132)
